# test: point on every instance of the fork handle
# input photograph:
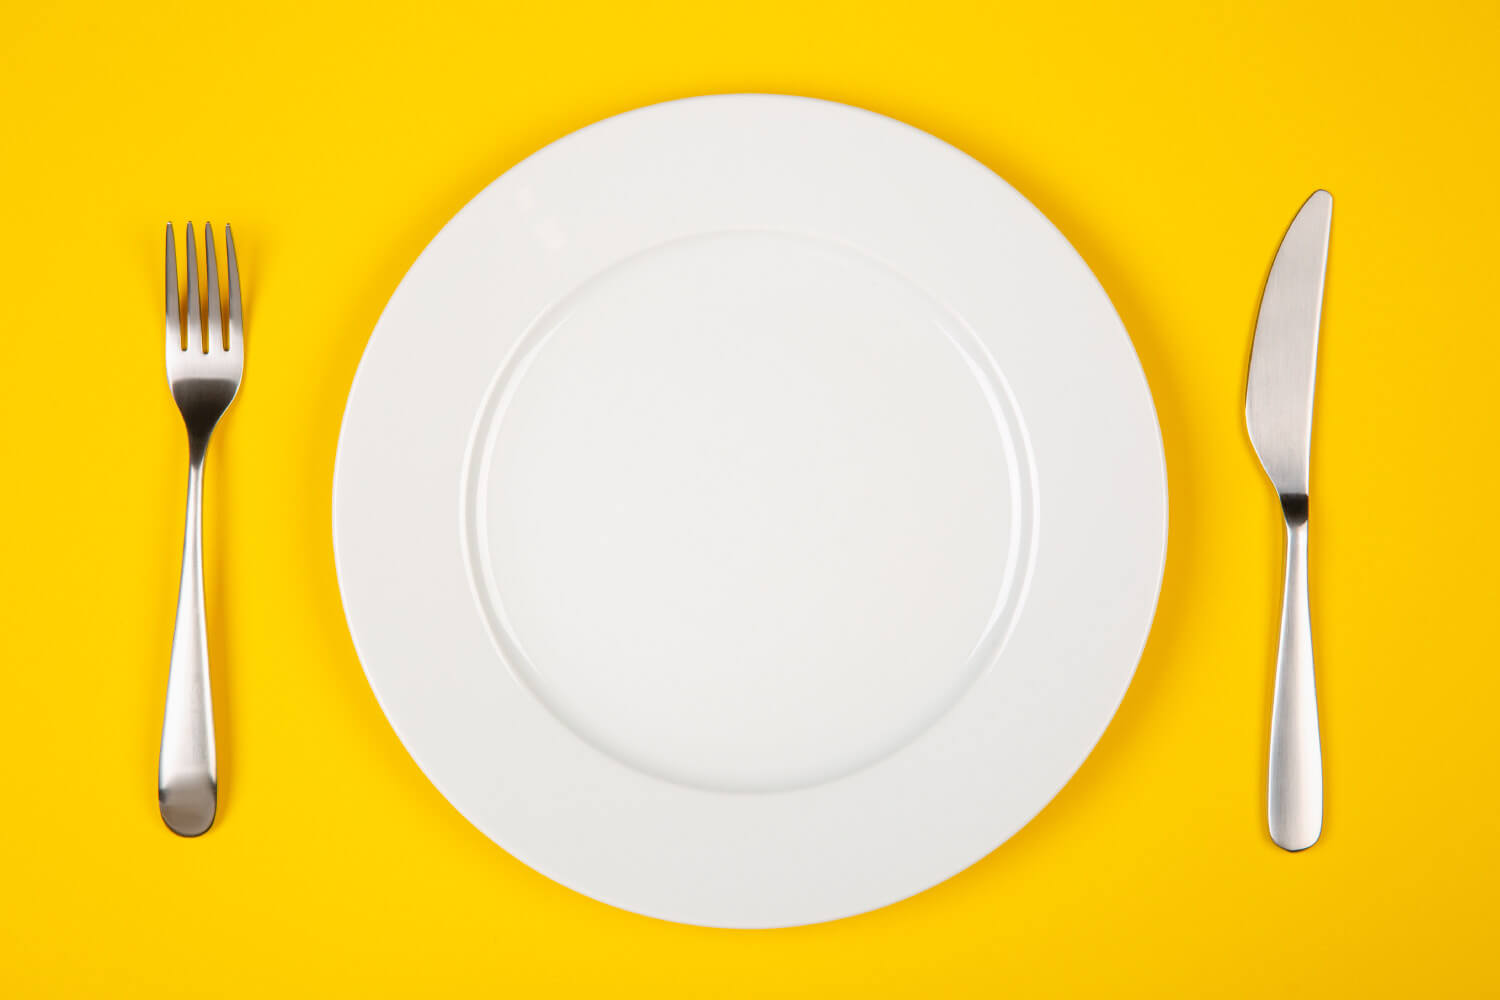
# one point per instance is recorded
(1295, 783)
(187, 778)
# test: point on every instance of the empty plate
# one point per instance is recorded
(749, 511)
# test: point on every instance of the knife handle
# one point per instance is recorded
(1295, 785)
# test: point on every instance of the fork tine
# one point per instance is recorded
(215, 316)
(174, 296)
(194, 311)
(236, 320)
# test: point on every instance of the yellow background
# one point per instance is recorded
(1170, 142)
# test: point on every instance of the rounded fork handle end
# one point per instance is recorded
(188, 804)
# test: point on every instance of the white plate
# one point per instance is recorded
(749, 511)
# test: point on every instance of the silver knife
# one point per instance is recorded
(1278, 412)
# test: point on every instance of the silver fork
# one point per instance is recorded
(204, 378)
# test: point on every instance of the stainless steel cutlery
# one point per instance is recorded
(1278, 412)
(205, 363)
(204, 376)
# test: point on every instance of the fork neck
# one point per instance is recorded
(198, 447)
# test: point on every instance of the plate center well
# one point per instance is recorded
(748, 511)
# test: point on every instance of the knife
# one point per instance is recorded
(1278, 413)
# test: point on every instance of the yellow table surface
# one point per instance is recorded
(1171, 143)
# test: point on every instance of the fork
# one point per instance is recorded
(203, 377)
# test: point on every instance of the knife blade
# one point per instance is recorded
(1278, 414)
(1284, 357)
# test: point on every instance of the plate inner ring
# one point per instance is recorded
(749, 510)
